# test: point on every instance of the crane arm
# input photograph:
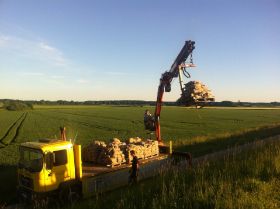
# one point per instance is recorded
(166, 79)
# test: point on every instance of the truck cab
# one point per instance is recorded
(44, 166)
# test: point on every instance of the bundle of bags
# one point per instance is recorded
(112, 154)
(98, 152)
(117, 152)
(142, 149)
(195, 92)
(91, 152)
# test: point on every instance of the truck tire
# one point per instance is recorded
(69, 194)
(64, 194)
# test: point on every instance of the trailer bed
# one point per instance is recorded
(90, 169)
(99, 179)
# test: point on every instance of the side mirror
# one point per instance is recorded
(49, 160)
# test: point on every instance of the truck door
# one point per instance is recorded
(59, 172)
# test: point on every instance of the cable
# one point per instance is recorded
(186, 73)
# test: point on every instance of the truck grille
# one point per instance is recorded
(26, 182)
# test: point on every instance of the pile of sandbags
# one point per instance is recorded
(117, 152)
(142, 149)
(91, 152)
(112, 155)
(151, 148)
(196, 92)
(99, 153)
(136, 145)
(139, 150)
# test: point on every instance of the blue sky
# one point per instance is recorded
(102, 50)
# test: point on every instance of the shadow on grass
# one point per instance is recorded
(8, 183)
(224, 142)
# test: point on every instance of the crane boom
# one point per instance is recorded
(166, 79)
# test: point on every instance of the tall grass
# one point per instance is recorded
(249, 179)
(202, 145)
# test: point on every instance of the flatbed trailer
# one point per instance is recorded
(97, 179)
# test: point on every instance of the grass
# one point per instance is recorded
(197, 131)
(7, 118)
(249, 179)
(13, 131)
(204, 145)
(8, 176)
(189, 129)
(103, 122)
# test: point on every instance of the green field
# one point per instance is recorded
(185, 127)
(199, 131)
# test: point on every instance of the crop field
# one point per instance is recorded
(181, 125)
(199, 131)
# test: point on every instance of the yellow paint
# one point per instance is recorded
(38, 179)
(78, 161)
(49, 180)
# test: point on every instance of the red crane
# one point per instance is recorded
(177, 67)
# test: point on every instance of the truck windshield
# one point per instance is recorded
(31, 159)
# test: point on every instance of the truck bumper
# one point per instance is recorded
(28, 196)
(24, 195)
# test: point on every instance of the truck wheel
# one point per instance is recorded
(64, 194)
(21, 198)
(74, 197)
(68, 195)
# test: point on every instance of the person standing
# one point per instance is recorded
(134, 168)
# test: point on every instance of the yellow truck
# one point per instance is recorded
(54, 168)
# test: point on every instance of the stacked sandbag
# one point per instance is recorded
(142, 149)
(139, 150)
(116, 152)
(151, 148)
(112, 155)
(91, 152)
(136, 145)
(196, 92)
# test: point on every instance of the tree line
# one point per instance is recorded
(10, 104)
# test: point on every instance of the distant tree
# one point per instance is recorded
(275, 103)
(16, 105)
(227, 104)
(239, 103)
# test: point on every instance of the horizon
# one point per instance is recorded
(128, 100)
(102, 51)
